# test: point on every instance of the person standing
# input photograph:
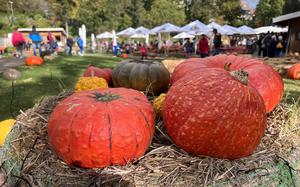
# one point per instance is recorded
(203, 46)
(70, 44)
(36, 40)
(80, 45)
(217, 41)
(18, 42)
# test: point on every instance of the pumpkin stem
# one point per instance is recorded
(240, 75)
(227, 66)
(106, 97)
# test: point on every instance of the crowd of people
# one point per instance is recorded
(264, 45)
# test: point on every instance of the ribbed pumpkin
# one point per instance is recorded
(99, 128)
(5, 127)
(90, 83)
(215, 113)
(105, 73)
(33, 60)
(263, 77)
(294, 72)
(158, 103)
(142, 75)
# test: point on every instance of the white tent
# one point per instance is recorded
(93, 42)
(143, 31)
(83, 36)
(270, 29)
(214, 25)
(232, 30)
(197, 27)
(167, 28)
(104, 35)
(114, 38)
(127, 32)
(245, 30)
(183, 35)
(138, 35)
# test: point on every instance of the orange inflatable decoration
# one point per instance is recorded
(34, 60)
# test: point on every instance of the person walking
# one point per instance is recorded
(80, 45)
(217, 41)
(70, 44)
(18, 42)
(36, 40)
(203, 46)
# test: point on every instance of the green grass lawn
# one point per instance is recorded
(62, 74)
(49, 79)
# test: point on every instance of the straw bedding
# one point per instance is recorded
(28, 160)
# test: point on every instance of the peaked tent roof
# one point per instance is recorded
(195, 26)
(127, 32)
(104, 35)
(142, 30)
(231, 29)
(214, 25)
(270, 29)
(183, 35)
(167, 27)
(246, 30)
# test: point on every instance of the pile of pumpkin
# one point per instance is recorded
(215, 107)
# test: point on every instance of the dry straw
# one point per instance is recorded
(27, 158)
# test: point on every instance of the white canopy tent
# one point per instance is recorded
(266, 29)
(232, 30)
(114, 38)
(143, 33)
(104, 35)
(183, 35)
(127, 32)
(165, 28)
(138, 35)
(197, 27)
(245, 30)
(220, 29)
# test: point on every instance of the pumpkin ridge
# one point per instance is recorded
(109, 131)
(71, 135)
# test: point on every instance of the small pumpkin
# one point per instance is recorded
(33, 60)
(90, 83)
(124, 55)
(294, 72)
(215, 113)
(99, 128)
(143, 75)
(263, 77)
(5, 127)
(105, 73)
(158, 104)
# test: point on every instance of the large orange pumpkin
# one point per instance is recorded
(294, 72)
(215, 113)
(33, 60)
(99, 128)
(105, 73)
(263, 77)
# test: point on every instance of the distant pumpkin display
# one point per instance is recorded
(33, 60)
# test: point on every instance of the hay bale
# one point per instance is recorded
(170, 64)
(27, 158)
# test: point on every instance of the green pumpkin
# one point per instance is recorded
(143, 75)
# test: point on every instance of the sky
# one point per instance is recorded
(252, 3)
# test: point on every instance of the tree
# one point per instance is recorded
(230, 11)
(266, 10)
(291, 6)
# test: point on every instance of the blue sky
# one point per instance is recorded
(252, 3)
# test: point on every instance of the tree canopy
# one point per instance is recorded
(103, 15)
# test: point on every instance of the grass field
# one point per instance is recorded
(49, 79)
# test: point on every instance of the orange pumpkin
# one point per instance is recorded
(124, 55)
(294, 72)
(34, 60)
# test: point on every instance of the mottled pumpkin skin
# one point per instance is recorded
(33, 61)
(294, 72)
(105, 73)
(211, 113)
(141, 75)
(88, 132)
(263, 77)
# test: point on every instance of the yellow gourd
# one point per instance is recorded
(158, 103)
(90, 83)
(5, 127)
